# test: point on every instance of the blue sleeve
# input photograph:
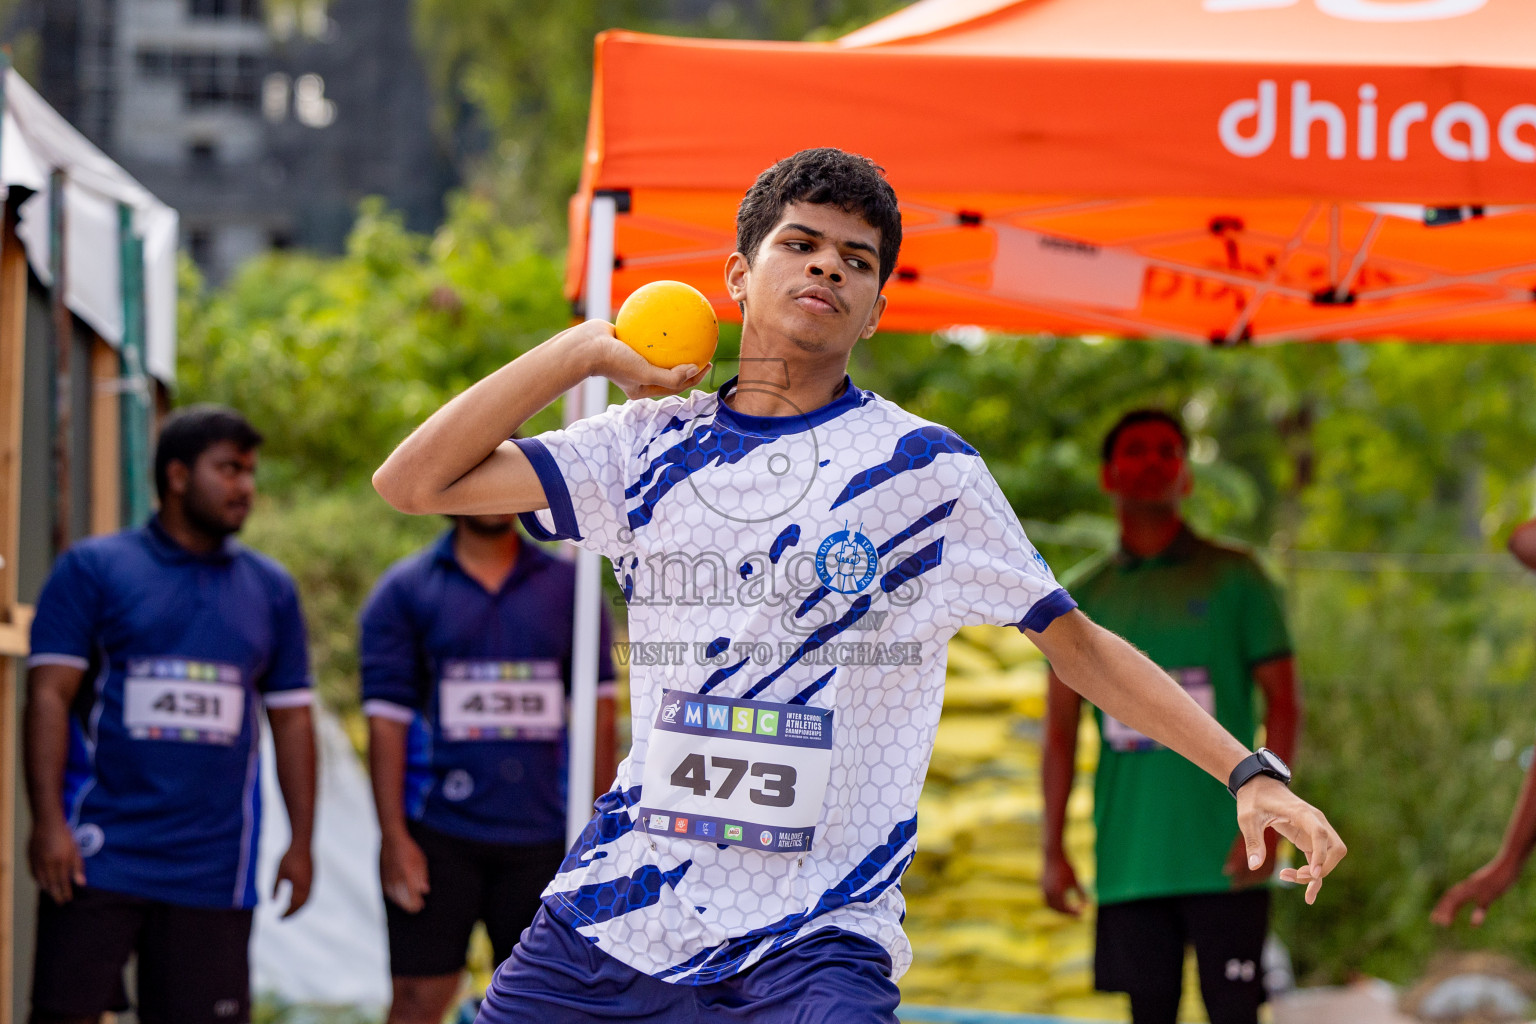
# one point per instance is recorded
(65, 627)
(388, 651)
(288, 673)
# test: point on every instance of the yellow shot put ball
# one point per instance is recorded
(669, 323)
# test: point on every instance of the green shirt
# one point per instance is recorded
(1207, 614)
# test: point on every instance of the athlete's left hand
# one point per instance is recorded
(1244, 877)
(297, 868)
(1265, 803)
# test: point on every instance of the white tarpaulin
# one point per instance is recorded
(333, 951)
(34, 142)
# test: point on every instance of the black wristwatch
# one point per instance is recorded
(1261, 762)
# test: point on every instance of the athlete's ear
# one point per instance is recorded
(872, 324)
(737, 270)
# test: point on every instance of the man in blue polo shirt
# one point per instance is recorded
(153, 651)
(466, 659)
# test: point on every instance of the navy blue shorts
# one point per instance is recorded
(554, 974)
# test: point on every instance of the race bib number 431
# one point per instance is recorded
(183, 700)
(741, 772)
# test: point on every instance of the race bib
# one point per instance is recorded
(185, 701)
(742, 772)
(1196, 683)
(501, 700)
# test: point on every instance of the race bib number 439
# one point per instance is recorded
(501, 700)
(741, 772)
(183, 700)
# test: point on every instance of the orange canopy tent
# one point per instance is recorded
(1219, 171)
(1216, 171)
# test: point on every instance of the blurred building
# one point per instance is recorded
(264, 128)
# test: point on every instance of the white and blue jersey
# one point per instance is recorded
(792, 586)
(482, 679)
(180, 652)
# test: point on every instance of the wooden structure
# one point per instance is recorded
(87, 348)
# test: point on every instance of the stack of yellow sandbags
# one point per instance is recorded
(981, 933)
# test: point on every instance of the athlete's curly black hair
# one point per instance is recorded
(828, 177)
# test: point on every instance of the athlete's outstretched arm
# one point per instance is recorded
(52, 853)
(293, 743)
(459, 462)
(1127, 685)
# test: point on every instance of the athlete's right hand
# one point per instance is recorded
(403, 872)
(609, 357)
(55, 860)
(1059, 882)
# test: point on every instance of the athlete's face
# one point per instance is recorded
(813, 283)
(1148, 466)
(217, 490)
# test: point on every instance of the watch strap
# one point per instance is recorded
(1249, 767)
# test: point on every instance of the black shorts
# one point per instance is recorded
(470, 881)
(1140, 949)
(194, 962)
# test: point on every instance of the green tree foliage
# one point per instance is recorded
(335, 360)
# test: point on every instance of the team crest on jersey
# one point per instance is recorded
(846, 561)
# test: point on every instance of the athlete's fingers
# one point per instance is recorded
(1479, 914)
(1318, 843)
(1252, 827)
(661, 382)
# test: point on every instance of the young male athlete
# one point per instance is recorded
(1172, 866)
(1490, 881)
(810, 548)
(153, 652)
(466, 657)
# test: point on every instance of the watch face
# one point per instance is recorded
(1269, 759)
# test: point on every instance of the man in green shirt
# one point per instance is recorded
(1172, 869)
